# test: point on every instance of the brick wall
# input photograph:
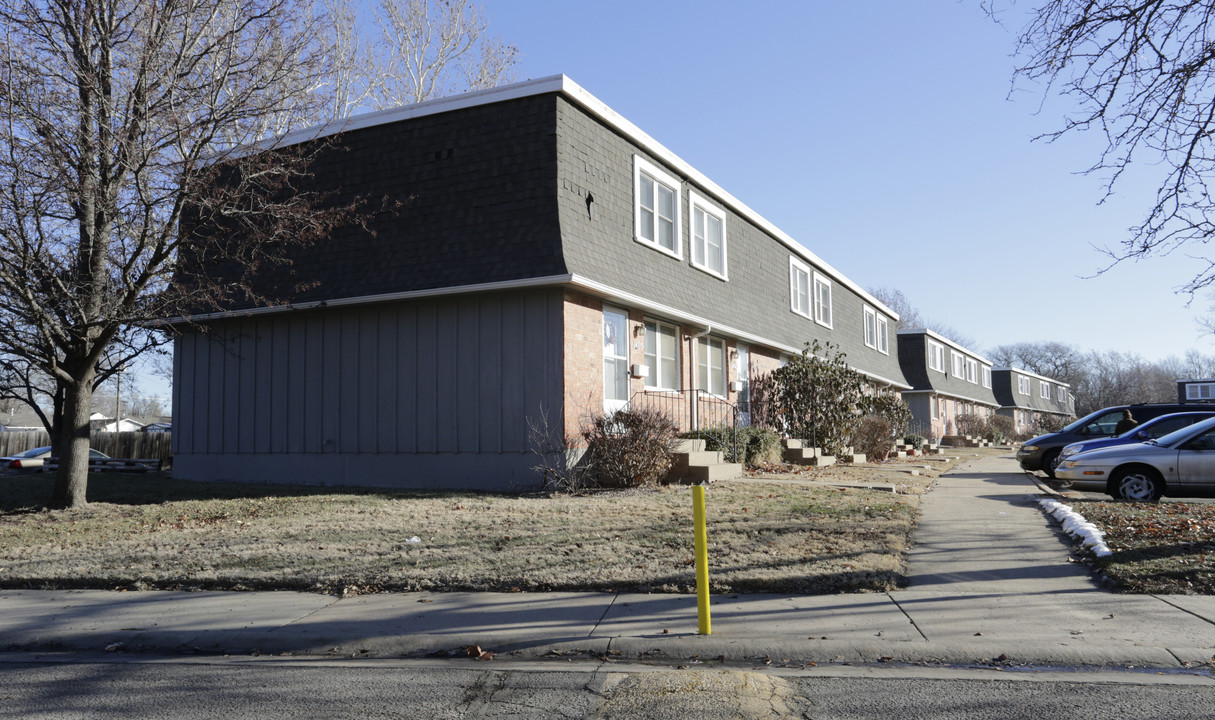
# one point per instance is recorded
(583, 360)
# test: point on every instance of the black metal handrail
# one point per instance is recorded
(711, 416)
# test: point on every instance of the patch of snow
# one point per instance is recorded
(1075, 524)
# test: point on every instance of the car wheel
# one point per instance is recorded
(1050, 461)
(1137, 484)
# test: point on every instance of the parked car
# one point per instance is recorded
(1042, 452)
(1180, 464)
(1150, 430)
(31, 461)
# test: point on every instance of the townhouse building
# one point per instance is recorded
(550, 259)
(947, 380)
(1026, 397)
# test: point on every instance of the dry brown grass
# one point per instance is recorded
(787, 533)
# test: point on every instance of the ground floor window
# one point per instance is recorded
(711, 361)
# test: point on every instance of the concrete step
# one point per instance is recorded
(688, 445)
(709, 473)
(853, 458)
(703, 457)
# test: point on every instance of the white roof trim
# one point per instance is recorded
(947, 341)
(576, 93)
(1031, 374)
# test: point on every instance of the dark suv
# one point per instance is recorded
(1042, 453)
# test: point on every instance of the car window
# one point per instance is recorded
(1164, 427)
(1203, 441)
(1104, 424)
(35, 452)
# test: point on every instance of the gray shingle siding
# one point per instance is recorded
(594, 158)
(1008, 395)
(913, 355)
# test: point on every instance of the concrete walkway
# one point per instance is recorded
(991, 582)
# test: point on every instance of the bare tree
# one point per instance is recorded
(910, 317)
(126, 129)
(432, 48)
(1142, 74)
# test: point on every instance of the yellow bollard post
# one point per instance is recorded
(702, 559)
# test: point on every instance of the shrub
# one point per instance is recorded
(630, 448)
(1051, 423)
(893, 409)
(874, 437)
(970, 425)
(1002, 428)
(755, 444)
(915, 441)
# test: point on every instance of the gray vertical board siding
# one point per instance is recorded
(183, 397)
(480, 365)
(247, 383)
(593, 159)
(264, 364)
(368, 379)
(384, 424)
(407, 379)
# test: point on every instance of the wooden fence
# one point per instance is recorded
(115, 444)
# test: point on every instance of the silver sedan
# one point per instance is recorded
(1180, 464)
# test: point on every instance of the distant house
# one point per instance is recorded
(552, 260)
(947, 380)
(1026, 397)
(1196, 391)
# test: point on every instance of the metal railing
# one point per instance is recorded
(711, 417)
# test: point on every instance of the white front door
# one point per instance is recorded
(615, 360)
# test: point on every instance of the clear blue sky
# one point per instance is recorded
(882, 136)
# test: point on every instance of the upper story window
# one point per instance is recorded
(956, 361)
(936, 356)
(986, 377)
(822, 300)
(656, 208)
(1022, 385)
(883, 327)
(1198, 391)
(1062, 394)
(708, 236)
(1043, 390)
(711, 362)
(662, 356)
(972, 371)
(799, 287)
(870, 327)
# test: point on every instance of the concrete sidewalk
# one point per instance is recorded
(990, 583)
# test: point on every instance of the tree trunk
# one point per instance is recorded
(71, 483)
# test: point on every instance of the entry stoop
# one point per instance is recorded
(799, 453)
(694, 464)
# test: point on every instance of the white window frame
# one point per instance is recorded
(653, 381)
(986, 375)
(1044, 390)
(1022, 385)
(936, 356)
(702, 361)
(957, 364)
(1199, 391)
(799, 269)
(698, 203)
(972, 371)
(822, 316)
(870, 327)
(657, 174)
(883, 335)
(1062, 394)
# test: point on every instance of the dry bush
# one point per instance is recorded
(1000, 428)
(630, 448)
(874, 437)
(970, 425)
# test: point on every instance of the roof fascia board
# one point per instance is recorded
(967, 398)
(1032, 375)
(947, 341)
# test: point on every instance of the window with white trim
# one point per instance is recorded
(955, 359)
(822, 300)
(656, 208)
(1043, 390)
(1022, 385)
(986, 377)
(883, 333)
(799, 287)
(870, 327)
(1199, 391)
(936, 356)
(972, 371)
(1062, 394)
(661, 356)
(708, 236)
(935, 407)
(711, 362)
